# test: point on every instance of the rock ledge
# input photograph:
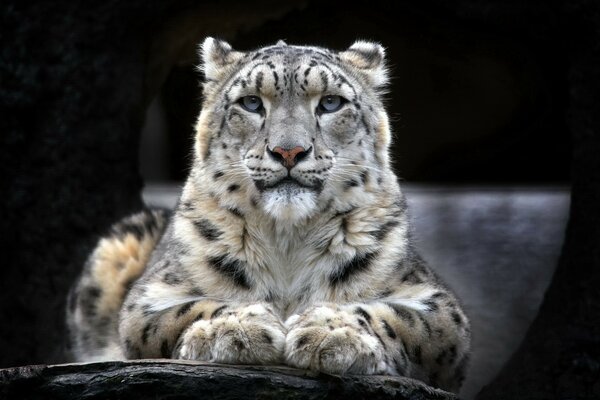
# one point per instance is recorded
(168, 379)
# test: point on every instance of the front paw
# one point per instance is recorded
(329, 339)
(245, 335)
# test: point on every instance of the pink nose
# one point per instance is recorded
(289, 157)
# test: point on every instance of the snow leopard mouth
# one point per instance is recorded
(288, 183)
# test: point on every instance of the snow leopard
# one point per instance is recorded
(290, 243)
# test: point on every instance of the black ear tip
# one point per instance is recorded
(371, 51)
(215, 50)
(369, 58)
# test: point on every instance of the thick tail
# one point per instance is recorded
(96, 299)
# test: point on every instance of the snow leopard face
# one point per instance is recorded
(293, 127)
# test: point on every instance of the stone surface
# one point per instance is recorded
(162, 379)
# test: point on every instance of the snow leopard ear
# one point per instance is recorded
(217, 57)
(369, 59)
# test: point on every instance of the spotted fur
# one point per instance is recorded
(290, 243)
(95, 301)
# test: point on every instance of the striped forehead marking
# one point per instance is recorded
(297, 64)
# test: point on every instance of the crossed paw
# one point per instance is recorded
(333, 340)
(323, 338)
(246, 335)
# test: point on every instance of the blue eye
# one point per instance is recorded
(251, 103)
(331, 103)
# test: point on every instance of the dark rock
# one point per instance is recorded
(162, 379)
